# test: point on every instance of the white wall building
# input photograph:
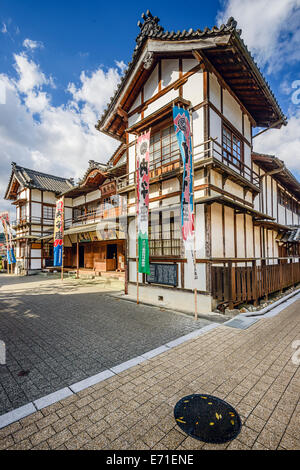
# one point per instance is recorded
(34, 195)
(239, 222)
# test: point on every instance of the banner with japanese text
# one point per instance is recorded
(59, 232)
(182, 127)
(142, 162)
(4, 216)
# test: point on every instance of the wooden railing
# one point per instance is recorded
(171, 162)
(234, 284)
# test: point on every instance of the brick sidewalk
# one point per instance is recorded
(251, 369)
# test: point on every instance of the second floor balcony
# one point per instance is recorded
(95, 215)
(168, 163)
(33, 220)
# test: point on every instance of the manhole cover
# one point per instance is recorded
(207, 418)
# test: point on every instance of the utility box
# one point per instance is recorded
(2, 353)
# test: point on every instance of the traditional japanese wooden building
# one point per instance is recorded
(246, 204)
(34, 194)
(94, 236)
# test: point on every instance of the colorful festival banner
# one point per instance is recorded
(142, 162)
(182, 127)
(59, 232)
(4, 216)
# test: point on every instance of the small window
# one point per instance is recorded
(232, 147)
(49, 212)
(163, 147)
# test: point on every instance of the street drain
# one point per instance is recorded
(207, 418)
(23, 373)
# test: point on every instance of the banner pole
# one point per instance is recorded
(136, 229)
(194, 211)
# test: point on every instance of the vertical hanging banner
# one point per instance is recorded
(58, 232)
(182, 127)
(142, 163)
(4, 216)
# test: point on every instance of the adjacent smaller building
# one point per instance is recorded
(34, 194)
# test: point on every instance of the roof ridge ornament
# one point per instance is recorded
(148, 28)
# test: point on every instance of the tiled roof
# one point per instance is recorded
(38, 180)
(150, 29)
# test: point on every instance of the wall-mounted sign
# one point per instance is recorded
(162, 273)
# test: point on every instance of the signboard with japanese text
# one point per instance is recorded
(183, 133)
(58, 233)
(142, 162)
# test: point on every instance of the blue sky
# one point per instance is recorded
(61, 60)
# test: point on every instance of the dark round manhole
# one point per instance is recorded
(207, 418)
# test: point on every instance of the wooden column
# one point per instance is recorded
(77, 257)
(254, 283)
(231, 281)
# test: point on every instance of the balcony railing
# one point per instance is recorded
(32, 220)
(172, 163)
(233, 284)
(96, 215)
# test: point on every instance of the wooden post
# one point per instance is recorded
(254, 283)
(77, 257)
(264, 279)
(231, 282)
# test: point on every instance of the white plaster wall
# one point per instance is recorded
(198, 133)
(200, 231)
(151, 85)
(249, 236)
(192, 90)
(49, 197)
(169, 71)
(93, 195)
(247, 128)
(78, 201)
(214, 91)
(232, 110)
(36, 195)
(170, 186)
(234, 188)
(199, 177)
(229, 232)
(216, 231)
(257, 253)
(216, 131)
(173, 298)
(160, 102)
(240, 236)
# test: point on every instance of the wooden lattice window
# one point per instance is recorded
(232, 147)
(163, 147)
(165, 236)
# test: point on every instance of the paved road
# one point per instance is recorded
(63, 334)
(251, 369)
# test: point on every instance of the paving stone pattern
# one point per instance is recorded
(62, 337)
(251, 369)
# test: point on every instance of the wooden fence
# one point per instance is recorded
(234, 284)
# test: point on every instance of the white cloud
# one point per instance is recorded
(3, 28)
(55, 139)
(30, 75)
(30, 44)
(284, 143)
(270, 29)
